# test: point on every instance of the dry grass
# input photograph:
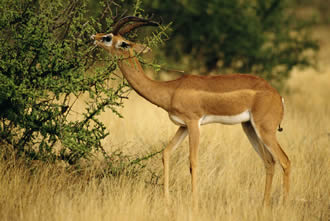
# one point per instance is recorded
(231, 176)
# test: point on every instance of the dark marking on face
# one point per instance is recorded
(124, 45)
(107, 38)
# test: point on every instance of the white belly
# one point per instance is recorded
(209, 119)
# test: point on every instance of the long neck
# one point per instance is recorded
(158, 93)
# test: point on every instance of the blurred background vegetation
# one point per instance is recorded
(263, 37)
(48, 60)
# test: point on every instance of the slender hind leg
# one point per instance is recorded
(269, 139)
(286, 165)
(194, 133)
(175, 142)
(265, 155)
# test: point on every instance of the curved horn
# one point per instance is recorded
(133, 26)
(123, 21)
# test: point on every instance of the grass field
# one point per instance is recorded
(231, 175)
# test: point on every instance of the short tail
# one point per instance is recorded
(280, 129)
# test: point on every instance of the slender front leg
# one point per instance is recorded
(175, 142)
(193, 129)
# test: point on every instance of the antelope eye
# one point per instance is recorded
(107, 38)
(124, 45)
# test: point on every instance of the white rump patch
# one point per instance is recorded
(209, 119)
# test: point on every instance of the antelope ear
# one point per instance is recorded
(139, 48)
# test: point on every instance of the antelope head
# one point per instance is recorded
(116, 44)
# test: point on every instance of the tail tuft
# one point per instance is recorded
(280, 129)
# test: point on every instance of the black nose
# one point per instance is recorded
(107, 38)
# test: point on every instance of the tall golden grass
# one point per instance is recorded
(231, 175)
